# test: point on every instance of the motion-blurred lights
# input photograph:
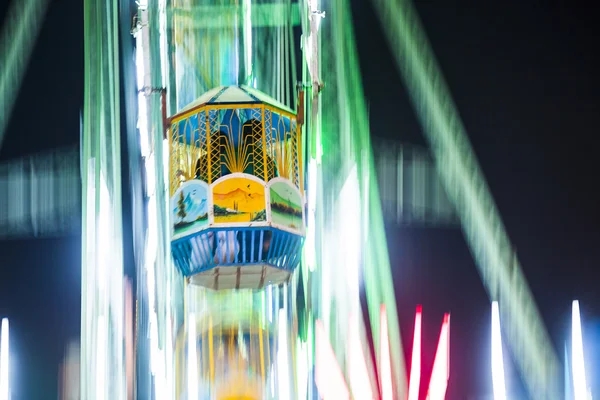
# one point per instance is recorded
(101, 351)
(105, 244)
(164, 54)
(329, 378)
(497, 358)
(579, 383)
(192, 378)
(415, 364)
(247, 8)
(441, 364)
(282, 358)
(358, 370)
(310, 241)
(384, 357)
(350, 232)
(4, 361)
(141, 79)
(302, 368)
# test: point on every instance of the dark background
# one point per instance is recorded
(524, 79)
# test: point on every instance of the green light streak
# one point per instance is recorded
(17, 40)
(347, 137)
(101, 215)
(247, 9)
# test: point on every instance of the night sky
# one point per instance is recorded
(524, 78)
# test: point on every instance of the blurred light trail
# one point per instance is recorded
(4, 362)
(17, 40)
(415, 363)
(497, 359)
(579, 383)
(441, 364)
(384, 357)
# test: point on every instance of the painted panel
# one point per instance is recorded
(239, 199)
(286, 205)
(189, 208)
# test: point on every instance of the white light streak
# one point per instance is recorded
(105, 234)
(162, 22)
(150, 175)
(248, 39)
(579, 383)
(497, 358)
(329, 377)
(101, 350)
(441, 364)
(270, 302)
(357, 366)
(283, 369)
(4, 362)
(192, 378)
(142, 124)
(415, 365)
(384, 357)
(310, 241)
(302, 368)
(272, 377)
(350, 235)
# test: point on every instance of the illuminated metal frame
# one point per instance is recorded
(206, 136)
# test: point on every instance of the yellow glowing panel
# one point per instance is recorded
(238, 199)
(239, 386)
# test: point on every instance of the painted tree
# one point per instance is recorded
(181, 207)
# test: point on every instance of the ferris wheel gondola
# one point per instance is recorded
(237, 201)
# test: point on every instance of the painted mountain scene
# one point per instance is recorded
(239, 200)
(189, 208)
(286, 205)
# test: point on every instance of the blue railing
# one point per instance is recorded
(237, 247)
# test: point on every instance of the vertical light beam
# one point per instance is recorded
(384, 357)
(192, 378)
(568, 376)
(247, 24)
(579, 383)
(415, 363)
(441, 365)
(282, 357)
(357, 366)
(101, 357)
(4, 359)
(329, 377)
(497, 358)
